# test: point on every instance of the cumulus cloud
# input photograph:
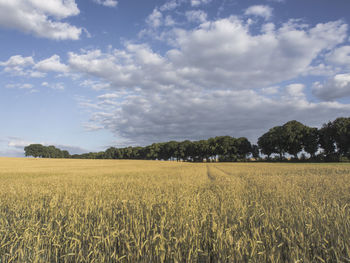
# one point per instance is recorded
(215, 79)
(95, 85)
(26, 66)
(196, 16)
(54, 86)
(334, 88)
(18, 143)
(170, 5)
(259, 10)
(108, 3)
(295, 90)
(51, 64)
(147, 117)
(155, 18)
(340, 56)
(17, 65)
(27, 86)
(199, 2)
(220, 54)
(41, 18)
(218, 78)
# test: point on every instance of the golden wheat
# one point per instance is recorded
(149, 211)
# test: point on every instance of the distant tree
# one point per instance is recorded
(169, 150)
(266, 143)
(341, 128)
(327, 139)
(184, 150)
(255, 151)
(335, 137)
(65, 154)
(311, 141)
(202, 150)
(38, 150)
(110, 153)
(293, 134)
(35, 150)
(244, 147)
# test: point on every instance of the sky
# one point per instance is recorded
(85, 75)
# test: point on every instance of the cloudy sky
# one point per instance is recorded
(88, 74)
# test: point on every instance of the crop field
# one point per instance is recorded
(151, 211)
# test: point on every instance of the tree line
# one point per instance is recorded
(293, 141)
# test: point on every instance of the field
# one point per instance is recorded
(150, 211)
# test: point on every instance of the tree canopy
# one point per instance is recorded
(330, 143)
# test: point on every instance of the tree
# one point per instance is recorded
(311, 141)
(184, 150)
(292, 134)
(327, 139)
(267, 143)
(335, 138)
(341, 128)
(65, 154)
(110, 153)
(35, 150)
(244, 147)
(255, 151)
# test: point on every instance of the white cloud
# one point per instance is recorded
(41, 18)
(92, 127)
(54, 86)
(108, 96)
(95, 85)
(27, 86)
(18, 143)
(26, 66)
(259, 10)
(218, 78)
(154, 20)
(270, 90)
(196, 16)
(334, 88)
(150, 117)
(17, 65)
(295, 90)
(170, 5)
(199, 2)
(221, 54)
(51, 64)
(169, 21)
(108, 3)
(18, 61)
(340, 56)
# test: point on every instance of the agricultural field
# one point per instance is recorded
(150, 211)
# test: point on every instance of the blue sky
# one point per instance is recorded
(85, 75)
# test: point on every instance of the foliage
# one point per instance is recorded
(331, 142)
(38, 150)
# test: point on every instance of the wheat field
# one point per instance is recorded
(151, 211)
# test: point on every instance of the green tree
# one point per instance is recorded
(311, 141)
(35, 150)
(255, 151)
(292, 136)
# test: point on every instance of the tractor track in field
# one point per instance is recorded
(210, 176)
(244, 179)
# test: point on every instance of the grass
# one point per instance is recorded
(149, 211)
